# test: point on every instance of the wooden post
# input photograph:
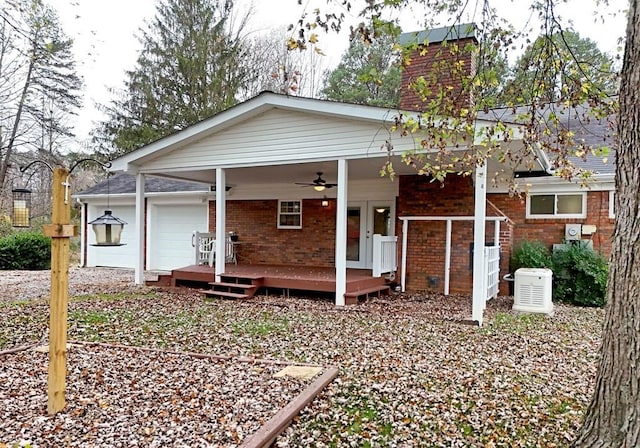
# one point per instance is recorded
(60, 230)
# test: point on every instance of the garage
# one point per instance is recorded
(170, 230)
(117, 256)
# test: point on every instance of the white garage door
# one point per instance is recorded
(170, 234)
(117, 256)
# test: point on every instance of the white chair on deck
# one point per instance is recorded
(230, 251)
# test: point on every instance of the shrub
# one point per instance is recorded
(579, 276)
(530, 254)
(25, 251)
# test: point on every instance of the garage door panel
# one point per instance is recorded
(171, 232)
(118, 256)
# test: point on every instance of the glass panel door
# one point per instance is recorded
(356, 230)
(364, 219)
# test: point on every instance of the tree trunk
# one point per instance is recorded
(6, 160)
(613, 417)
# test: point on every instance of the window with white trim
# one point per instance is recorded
(289, 214)
(557, 205)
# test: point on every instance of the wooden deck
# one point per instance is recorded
(237, 280)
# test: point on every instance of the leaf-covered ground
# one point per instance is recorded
(410, 373)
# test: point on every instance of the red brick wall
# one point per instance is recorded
(426, 239)
(442, 66)
(551, 231)
(262, 242)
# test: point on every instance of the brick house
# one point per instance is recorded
(261, 161)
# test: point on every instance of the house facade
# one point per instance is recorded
(255, 166)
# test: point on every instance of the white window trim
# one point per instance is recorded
(529, 215)
(612, 213)
(280, 201)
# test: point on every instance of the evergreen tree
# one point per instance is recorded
(369, 73)
(190, 68)
(559, 65)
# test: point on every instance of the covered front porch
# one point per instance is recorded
(244, 280)
(263, 161)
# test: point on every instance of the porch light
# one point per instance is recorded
(325, 202)
(380, 209)
(21, 207)
(319, 187)
(108, 229)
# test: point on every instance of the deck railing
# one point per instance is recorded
(203, 243)
(492, 268)
(385, 254)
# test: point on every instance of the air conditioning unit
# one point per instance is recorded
(572, 232)
(532, 291)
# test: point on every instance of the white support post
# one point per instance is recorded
(496, 233)
(140, 227)
(341, 232)
(403, 276)
(447, 259)
(479, 274)
(221, 217)
(83, 234)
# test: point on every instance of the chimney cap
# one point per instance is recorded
(437, 35)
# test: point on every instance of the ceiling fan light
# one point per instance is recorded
(319, 187)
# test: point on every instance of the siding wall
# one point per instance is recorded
(281, 136)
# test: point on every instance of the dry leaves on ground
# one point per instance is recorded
(410, 374)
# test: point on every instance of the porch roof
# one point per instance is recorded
(275, 130)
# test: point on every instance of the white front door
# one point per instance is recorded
(364, 219)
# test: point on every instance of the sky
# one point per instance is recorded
(105, 44)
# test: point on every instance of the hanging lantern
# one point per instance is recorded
(21, 207)
(108, 229)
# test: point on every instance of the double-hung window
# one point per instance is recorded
(557, 205)
(289, 214)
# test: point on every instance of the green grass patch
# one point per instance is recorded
(264, 325)
(515, 323)
(114, 296)
(16, 304)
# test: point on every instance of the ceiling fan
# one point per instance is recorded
(318, 184)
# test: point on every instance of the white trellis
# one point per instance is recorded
(489, 283)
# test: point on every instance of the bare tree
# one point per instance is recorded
(38, 82)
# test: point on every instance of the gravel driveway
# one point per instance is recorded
(410, 374)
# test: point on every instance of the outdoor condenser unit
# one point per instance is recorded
(532, 292)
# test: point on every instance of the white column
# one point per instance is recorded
(221, 217)
(84, 238)
(403, 276)
(140, 227)
(447, 259)
(479, 276)
(341, 232)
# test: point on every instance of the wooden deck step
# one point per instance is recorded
(351, 297)
(233, 285)
(225, 294)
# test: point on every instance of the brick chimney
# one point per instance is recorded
(441, 61)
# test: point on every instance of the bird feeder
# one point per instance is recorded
(108, 229)
(21, 207)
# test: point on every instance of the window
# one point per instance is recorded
(556, 205)
(289, 214)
